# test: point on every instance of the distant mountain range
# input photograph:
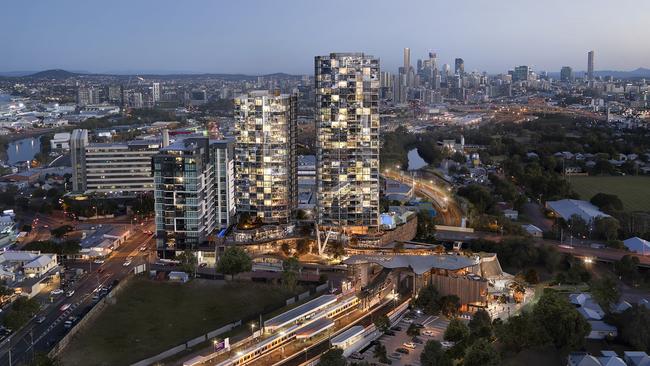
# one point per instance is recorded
(58, 74)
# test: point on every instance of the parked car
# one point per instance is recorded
(446, 344)
(143, 248)
(64, 307)
(127, 263)
(69, 293)
(389, 333)
(99, 261)
(40, 319)
(403, 350)
(57, 291)
(410, 345)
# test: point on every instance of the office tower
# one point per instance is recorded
(155, 92)
(193, 190)
(566, 74)
(133, 99)
(407, 59)
(114, 94)
(115, 169)
(347, 128)
(590, 65)
(265, 156)
(459, 66)
(86, 96)
(521, 73)
(78, 142)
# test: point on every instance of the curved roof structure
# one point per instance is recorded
(418, 263)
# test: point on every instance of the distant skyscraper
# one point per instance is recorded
(407, 59)
(265, 156)
(590, 65)
(347, 129)
(566, 74)
(459, 66)
(155, 92)
(86, 96)
(521, 73)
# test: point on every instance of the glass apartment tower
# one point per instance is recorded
(265, 156)
(193, 180)
(347, 128)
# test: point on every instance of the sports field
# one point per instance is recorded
(634, 191)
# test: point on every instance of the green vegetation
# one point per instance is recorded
(633, 191)
(333, 357)
(63, 248)
(434, 355)
(634, 327)
(234, 261)
(150, 317)
(430, 301)
(22, 309)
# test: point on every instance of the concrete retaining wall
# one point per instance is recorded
(303, 296)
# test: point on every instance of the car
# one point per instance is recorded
(446, 344)
(417, 340)
(64, 307)
(127, 263)
(68, 323)
(40, 319)
(410, 345)
(397, 329)
(57, 291)
(69, 293)
(428, 332)
(395, 355)
(403, 350)
(99, 261)
(389, 333)
(407, 320)
(203, 265)
(143, 248)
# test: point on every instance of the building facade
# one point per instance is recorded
(347, 128)
(119, 169)
(193, 193)
(265, 156)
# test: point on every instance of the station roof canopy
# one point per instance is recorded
(300, 311)
(314, 328)
(347, 335)
(418, 263)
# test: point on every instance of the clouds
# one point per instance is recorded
(284, 35)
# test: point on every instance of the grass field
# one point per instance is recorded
(633, 191)
(150, 317)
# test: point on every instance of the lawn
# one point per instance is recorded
(150, 317)
(634, 191)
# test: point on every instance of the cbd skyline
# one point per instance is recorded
(230, 37)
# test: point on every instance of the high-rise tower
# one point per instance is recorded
(590, 65)
(347, 126)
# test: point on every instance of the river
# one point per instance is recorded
(415, 160)
(23, 149)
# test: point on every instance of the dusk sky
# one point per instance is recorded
(257, 37)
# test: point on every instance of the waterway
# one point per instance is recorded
(23, 149)
(415, 160)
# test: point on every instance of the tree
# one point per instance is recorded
(382, 323)
(577, 225)
(634, 325)
(413, 330)
(531, 276)
(380, 353)
(481, 324)
(565, 327)
(188, 261)
(627, 268)
(449, 305)
(606, 228)
(285, 248)
(333, 357)
(426, 227)
(22, 309)
(456, 331)
(434, 355)
(428, 300)
(605, 292)
(233, 261)
(41, 359)
(521, 332)
(291, 269)
(482, 353)
(302, 246)
(607, 202)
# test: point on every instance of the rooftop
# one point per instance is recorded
(418, 263)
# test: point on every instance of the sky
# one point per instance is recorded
(267, 36)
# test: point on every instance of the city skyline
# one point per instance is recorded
(82, 37)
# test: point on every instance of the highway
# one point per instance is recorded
(443, 201)
(34, 338)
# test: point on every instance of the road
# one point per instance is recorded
(45, 335)
(443, 201)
